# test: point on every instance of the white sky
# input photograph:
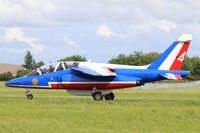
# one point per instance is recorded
(97, 29)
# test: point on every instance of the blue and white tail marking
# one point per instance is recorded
(173, 57)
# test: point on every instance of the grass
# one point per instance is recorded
(167, 110)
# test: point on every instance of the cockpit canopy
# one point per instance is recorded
(53, 67)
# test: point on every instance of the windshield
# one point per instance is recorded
(48, 68)
(34, 73)
(70, 64)
(43, 69)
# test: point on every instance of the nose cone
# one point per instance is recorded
(14, 82)
(11, 83)
(21, 82)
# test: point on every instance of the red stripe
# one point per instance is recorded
(88, 86)
(177, 64)
(178, 76)
(79, 86)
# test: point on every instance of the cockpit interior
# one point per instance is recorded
(53, 67)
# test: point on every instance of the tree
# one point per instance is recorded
(23, 72)
(120, 59)
(39, 64)
(187, 65)
(136, 58)
(29, 61)
(195, 69)
(74, 58)
(6, 76)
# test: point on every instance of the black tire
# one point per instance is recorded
(109, 96)
(29, 96)
(97, 96)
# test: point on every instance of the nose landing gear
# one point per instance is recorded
(29, 96)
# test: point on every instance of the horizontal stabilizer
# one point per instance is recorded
(171, 76)
(95, 70)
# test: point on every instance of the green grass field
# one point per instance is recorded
(55, 111)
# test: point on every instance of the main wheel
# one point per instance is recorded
(97, 96)
(109, 96)
(29, 96)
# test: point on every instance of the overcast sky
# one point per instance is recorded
(97, 29)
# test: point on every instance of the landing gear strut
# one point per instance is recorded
(29, 96)
(109, 96)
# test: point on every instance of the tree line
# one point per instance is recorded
(136, 58)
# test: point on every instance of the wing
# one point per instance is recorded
(171, 76)
(95, 70)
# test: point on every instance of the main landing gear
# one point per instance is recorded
(29, 96)
(98, 96)
(109, 96)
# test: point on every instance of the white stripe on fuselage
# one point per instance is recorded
(172, 56)
(114, 66)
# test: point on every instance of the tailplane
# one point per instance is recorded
(173, 57)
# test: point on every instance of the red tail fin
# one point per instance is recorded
(179, 60)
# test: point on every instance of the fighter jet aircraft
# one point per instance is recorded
(99, 80)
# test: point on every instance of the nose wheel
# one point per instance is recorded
(29, 96)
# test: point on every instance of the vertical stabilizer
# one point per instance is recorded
(173, 57)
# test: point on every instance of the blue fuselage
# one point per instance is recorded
(69, 79)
